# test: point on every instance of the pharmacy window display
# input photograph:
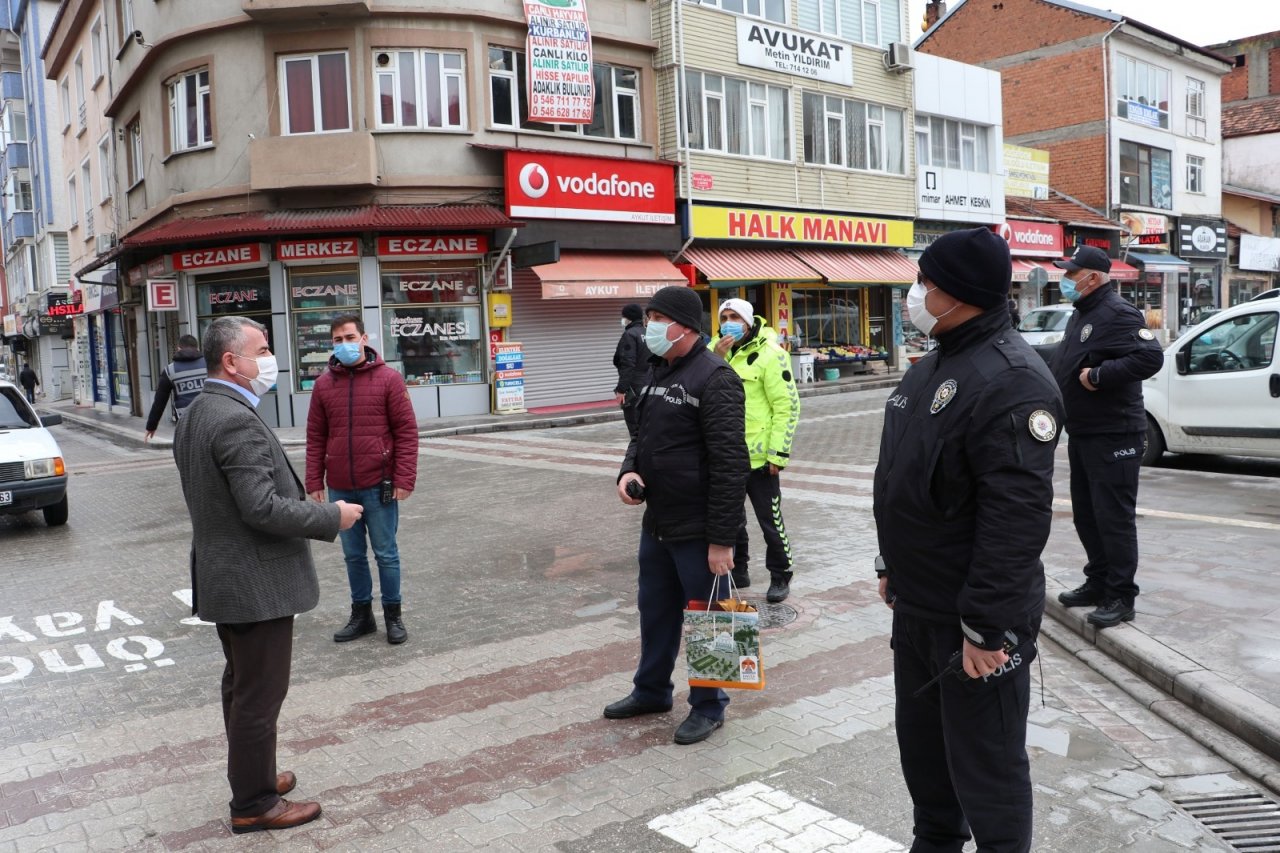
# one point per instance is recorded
(317, 295)
(433, 331)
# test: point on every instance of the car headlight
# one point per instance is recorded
(1052, 338)
(36, 468)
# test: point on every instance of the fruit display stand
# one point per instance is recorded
(849, 359)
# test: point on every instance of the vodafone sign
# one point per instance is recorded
(1042, 239)
(560, 186)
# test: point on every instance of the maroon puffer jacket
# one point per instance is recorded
(361, 428)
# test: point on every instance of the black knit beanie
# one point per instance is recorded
(632, 311)
(971, 265)
(679, 303)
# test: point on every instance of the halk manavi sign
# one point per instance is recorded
(768, 46)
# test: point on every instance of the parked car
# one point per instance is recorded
(1219, 389)
(32, 473)
(1043, 327)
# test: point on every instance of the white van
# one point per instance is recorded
(1219, 389)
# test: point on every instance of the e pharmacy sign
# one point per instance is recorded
(558, 53)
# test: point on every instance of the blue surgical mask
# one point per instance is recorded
(348, 353)
(1067, 288)
(655, 337)
(733, 329)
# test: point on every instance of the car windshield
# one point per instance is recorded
(14, 411)
(1044, 321)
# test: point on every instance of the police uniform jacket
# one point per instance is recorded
(183, 379)
(690, 449)
(631, 360)
(1109, 336)
(964, 483)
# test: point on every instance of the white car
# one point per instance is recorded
(32, 473)
(1219, 389)
(1043, 327)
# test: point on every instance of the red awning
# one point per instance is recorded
(1120, 271)
(607, 275)
(372, 217)
(1022, 268)
(860, 266)
(732, 267)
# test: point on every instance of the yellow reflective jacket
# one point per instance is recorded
(773, 404)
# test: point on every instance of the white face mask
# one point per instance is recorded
(268, 372)
(655, 338)
(625, 322)
(919, 314)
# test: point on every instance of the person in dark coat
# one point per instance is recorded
(963, 499)
(631, 360)
(689, 458)
(251, 566)
(28, 380)
(183, 379)
(1106, 352)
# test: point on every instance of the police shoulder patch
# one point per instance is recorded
(945, 394)
(1146, 334)
(1086, 332)
(1043, 426)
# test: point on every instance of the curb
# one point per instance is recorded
(1240, 712)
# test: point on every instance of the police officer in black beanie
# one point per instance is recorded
(631, 360)
(689, 456)
(963, 501)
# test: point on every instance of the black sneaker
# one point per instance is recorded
(1085, 595)
(779, 589)
(1110, 613)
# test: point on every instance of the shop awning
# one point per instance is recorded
(856, 267)
(1120, 271)
(734, 267)
(1154, 262)
(607, 275)
(1022, 268)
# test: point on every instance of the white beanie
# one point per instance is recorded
(742, 308)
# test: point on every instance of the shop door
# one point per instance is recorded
(568, 344)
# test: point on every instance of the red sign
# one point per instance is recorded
(222, 256)
(454, 245)
(702, 180)
(1151, 239)
(162, 294)
(1043, 239)
(562, 186)
(318, 250)
(496, 336)
(65, 309)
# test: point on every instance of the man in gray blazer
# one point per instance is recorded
(251, 568)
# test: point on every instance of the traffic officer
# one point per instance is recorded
(963, 501)
(1106, 352)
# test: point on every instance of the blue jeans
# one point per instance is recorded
(671, 575)
(380, 522)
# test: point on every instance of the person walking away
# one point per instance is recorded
(773, 410)
(183, 379)
(251, 566)
(631, 360)
(362, 440)
(963, 499)
(1106, 352)
(28, 379)
(688, 464)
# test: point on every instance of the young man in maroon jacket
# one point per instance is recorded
(362, 439)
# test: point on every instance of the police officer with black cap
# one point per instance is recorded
(1106, 352)
(963, 503)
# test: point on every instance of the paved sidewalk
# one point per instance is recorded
(1170, 648)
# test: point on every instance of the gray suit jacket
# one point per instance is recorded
(250, 519)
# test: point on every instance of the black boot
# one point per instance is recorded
(396, 633)
(779, 587)
(1088, 594)
(361, 623)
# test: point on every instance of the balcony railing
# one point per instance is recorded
(15, 157)
(17, 227)
(11, 86)
(313, 161)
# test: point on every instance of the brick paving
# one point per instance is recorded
(484, 732)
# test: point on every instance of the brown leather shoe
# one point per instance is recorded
(282, 815)
(286, 782)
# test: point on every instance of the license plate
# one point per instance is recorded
(6, 498)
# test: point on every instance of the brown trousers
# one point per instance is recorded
(254, 684)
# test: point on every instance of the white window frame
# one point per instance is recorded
(81, 110)
(316, 99)
(86, 187)
(874, 126)
(73, 201)
(64, 93)
(1196, 124)
(126, 21)
(975, 138)
(99, 50)
(19, 196)
(713, 104)
(872, 7)
(421, 58)
(178, 117)
(828, 27)
(1195, 174)
(766, 10)
(134, 168)
(1136, 80)
(516, 59)
(104, 167)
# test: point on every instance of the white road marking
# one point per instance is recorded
(752, 816)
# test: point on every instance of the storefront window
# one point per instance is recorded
(316, 296)
(1244, 289)
(432, 324)
(120, 387)
(243, 294)
(1147, 294)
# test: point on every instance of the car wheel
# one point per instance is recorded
(1155, 443)
(56, 514)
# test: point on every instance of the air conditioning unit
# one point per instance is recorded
(898, 57)
(105, 243)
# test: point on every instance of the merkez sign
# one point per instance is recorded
(775, 48)
(557, 186)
